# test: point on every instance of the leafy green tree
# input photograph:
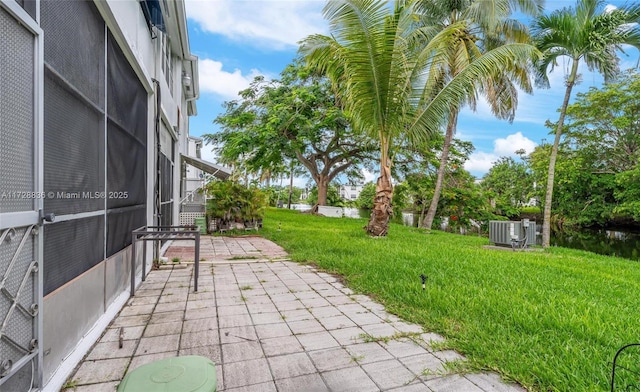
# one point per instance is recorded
(401, 198)
(411, 157)
(628, 193)
(605, 124)
(279, 194)
(509, 184)
(584, 195)
(461, 197)
(418, 165)
(488, 26)
(388, 68)
(296, 118)
(245, 146)
(365, 199)
(602, 136)
(464, 202)
(420, 187)
(423, 156)
(333, 197)
(586, 32)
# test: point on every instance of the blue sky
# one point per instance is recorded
(237, 40)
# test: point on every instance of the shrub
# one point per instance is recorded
(230, 201)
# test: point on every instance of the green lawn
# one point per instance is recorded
(551, 321)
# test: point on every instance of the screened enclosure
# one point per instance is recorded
(95, 142)
(81, 134)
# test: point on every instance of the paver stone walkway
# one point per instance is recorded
(271, 325)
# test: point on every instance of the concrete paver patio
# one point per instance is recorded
(272, 325)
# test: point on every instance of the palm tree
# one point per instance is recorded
(489, 27)
(588, 32)
(386, 68)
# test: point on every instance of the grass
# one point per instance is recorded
(71, 384)
(242, 258)
(551, 320)
(367, 338)
(530, 210)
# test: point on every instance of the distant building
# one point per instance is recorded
(305, 194)
(195, 172)
(350, 192)
(194, 178)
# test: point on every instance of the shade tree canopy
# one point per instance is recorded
(295, 118)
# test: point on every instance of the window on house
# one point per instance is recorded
(167, 63)
(153, 14)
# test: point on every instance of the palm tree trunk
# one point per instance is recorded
(290, 187)
(378, 225)
(268, 179)
(548, 199)
(433, 207)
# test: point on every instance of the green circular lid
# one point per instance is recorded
(189, 373)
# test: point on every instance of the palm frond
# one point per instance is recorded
(527, 7)
(586, 32)
(586, 10)
(397, 75)
(433, 114)
(512, 30)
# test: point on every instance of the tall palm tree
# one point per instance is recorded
(387, 68)
(489, 27)
(588, 32)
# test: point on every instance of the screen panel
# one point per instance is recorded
(126, 169)
(16, 115)
(126, 97)
(120, 224)
(71, 248)
(73, 151)
(74, 45)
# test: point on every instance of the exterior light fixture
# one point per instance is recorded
(423, 277)
(186, 80)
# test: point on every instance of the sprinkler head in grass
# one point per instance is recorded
(279, 226)
(423, 277)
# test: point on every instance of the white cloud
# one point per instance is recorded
(480, 162)
(271, 24)
(213, 79)
(369, 176)
(516, 141)
(299, 182)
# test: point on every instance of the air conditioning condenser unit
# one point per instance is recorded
(516, 234)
